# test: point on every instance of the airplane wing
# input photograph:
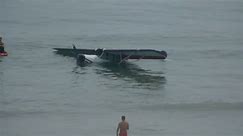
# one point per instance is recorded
(137, 53)
(115, 54)
(74, 52)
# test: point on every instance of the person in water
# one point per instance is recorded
(1, 46)
(122, 128)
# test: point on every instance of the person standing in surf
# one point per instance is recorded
(1, 46)
(122, 127)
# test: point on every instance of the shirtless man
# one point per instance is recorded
(122, 128)
(1, 46)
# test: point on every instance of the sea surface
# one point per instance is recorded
(196, 91)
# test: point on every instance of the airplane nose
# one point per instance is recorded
(164, 54)
(99, 51)
(80, 58)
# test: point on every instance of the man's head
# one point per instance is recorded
(123, 118)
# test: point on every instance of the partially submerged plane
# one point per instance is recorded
(86, 56)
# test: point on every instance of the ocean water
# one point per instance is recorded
(196, 91)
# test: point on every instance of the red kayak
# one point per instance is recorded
(3, 54)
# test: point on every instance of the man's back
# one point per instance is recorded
(123, 126)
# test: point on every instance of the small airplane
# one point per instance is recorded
(87, 56)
